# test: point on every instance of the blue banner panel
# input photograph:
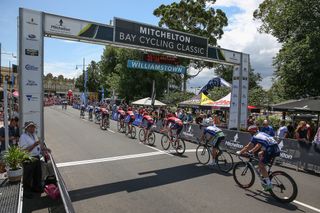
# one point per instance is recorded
(156, 67)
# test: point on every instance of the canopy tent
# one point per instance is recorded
(310, 105)
(205, 100)
(147, 102)
(194, 101)
(224, 103)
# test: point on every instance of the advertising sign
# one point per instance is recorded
(234, 105)
(75, 28)
(156, 67)
(143, 35)
(244, 91)
(31, 68)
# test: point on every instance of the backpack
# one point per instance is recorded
(52, 191)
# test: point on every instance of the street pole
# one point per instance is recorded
(5, 119)
(84, 82)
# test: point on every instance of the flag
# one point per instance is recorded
(205, 100)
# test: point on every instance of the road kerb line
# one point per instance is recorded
(111, 130)
(306, 205)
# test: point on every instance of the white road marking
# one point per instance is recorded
(99, 160)
(306, 205)
(123, 157)
(111, 131)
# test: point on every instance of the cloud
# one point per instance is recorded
(241, 35)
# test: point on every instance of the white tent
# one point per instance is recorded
(147, 102)
(223, 102)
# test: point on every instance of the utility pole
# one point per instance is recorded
(5, 109)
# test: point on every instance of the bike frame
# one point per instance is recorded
(256, 170)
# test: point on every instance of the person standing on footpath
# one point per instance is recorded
(32, 174)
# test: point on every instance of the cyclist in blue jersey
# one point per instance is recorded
(215, 137)
(267, 148)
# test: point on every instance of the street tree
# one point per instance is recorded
(195, 17)
(296, 24)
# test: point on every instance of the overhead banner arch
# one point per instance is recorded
(34, 25)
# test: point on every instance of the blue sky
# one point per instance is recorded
(61, 57)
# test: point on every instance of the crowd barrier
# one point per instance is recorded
(67, 203)
(292, 151)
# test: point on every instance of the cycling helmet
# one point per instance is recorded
(145, 113)
(129, 109)
(120, 108)
(253, 129)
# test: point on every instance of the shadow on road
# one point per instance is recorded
(161, 177)
(266, 198)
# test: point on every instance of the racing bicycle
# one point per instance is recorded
(224, 159)
(151, 138)
(176, 143)
(284, 188)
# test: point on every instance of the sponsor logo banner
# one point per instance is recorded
(155, 67)
(31, 52)
(30, 67)
(31, 83)
(32, 37)
(142, 35)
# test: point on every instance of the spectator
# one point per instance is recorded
(290, 130)
(199, 118)
(266, 128)
(182, 116)
(13, 134)
(302, 134)
(32, 175)
(283, 130)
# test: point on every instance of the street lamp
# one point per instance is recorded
(85, 76)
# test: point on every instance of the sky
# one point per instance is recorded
(62, 57)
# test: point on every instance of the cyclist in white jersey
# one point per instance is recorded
(267, 148)
(215, 137)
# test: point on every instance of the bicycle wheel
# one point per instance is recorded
(141, 135)
(133, 132)
(203, 154)
(180, 146)
(151, 139)
(225, 161)
(284, 188)
(243, 175)
(165, 142)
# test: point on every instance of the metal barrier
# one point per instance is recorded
(62, 188)
(292, 151)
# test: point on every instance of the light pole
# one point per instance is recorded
(4, 53)
(85, 79)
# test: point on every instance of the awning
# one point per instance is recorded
(301, 105)
(147, 102)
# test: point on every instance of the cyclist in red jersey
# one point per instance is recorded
(149, 120)
(174, 123)
(132, 118)
(121, 116)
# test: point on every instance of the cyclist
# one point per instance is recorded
(132, 118)
(149, 120)
(215, 135)
(104, 116)
(267, 148)
(82, 109)
(174, 123)
(121, 114)
(90, 109)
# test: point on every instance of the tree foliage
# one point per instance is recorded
(174, 98)
(297, 25)
(218, 92)
(194, 17)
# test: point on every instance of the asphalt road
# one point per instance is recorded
(107, 172)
